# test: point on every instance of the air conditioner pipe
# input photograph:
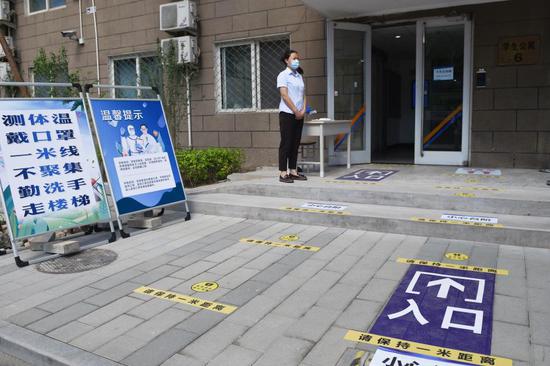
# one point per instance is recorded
(81, 38)
(188, 96)
(96, 46)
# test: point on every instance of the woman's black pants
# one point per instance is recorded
(291, 133)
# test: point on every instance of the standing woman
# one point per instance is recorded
(292, 109)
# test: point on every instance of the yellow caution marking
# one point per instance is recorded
(421, 262)
(456, 222)
(357, 358)
(479, 189)
(456, 256)
(204, 286)
(188, 300)
(314, 210)
(447, 354)
(290, 237)
(270, 243)
(477, 176)
(465, 195)
(471, 180)
(352, 182)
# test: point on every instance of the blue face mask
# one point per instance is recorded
(295, 64)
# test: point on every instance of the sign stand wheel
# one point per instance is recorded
(89, 230)
(188, 216)
(19, 263)
(112, 238)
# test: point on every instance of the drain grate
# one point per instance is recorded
(79, 262)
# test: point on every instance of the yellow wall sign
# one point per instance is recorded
(279, 245)
(188, 300)
(421, 262)
(290, 237)
(456, 256)
(519, 50)
(428, 350)
(204, 286)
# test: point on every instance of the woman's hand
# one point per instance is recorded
(300, 114)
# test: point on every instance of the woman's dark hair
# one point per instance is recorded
(285, 57)
(287, 54)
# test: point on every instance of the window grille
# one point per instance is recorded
(246, 74)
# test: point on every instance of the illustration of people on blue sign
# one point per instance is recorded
(132, 144)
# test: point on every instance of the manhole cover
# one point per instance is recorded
(79, 262)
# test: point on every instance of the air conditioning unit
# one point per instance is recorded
(186, 48)
(9, 40)
(4, 71)
(180, 16)
(5, 11)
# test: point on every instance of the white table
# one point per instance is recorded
(327, 127)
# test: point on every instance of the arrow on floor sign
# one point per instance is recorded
(446, 284)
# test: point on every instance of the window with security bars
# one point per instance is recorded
(135, 71)
(247, 74)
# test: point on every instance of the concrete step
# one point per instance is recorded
(516, 230)
(497, 199)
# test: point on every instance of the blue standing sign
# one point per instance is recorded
(441, 307)
(138, 154)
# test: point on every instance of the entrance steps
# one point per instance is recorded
(405, 203)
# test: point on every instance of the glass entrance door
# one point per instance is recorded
(349, 50)
(443, 99)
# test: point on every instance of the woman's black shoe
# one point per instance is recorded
(286, 179)
(298, 177)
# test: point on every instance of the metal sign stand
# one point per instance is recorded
(13, 241)
(87, 88)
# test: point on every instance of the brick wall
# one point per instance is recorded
(256, 133)
(124, 27)
(511, 117)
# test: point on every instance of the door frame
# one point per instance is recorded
(461, 157)
(357, 156)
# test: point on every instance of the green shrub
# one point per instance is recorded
(208, 166)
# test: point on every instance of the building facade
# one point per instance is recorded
(485, 65)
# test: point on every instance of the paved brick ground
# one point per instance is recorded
(294, 306)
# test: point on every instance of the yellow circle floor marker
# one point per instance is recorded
(465, 195)
(456, 256)
(205, 286)
(290, 237)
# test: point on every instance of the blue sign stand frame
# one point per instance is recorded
(87, 88)
(91, 227)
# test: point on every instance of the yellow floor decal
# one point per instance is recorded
(205, 286)
(290, 237)
(270, 243)
(447, 354)
(456, 256)
(326, 212)
(188, 300)
(455, 222)
(486, 189)
(502, 272)
(465, 195)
